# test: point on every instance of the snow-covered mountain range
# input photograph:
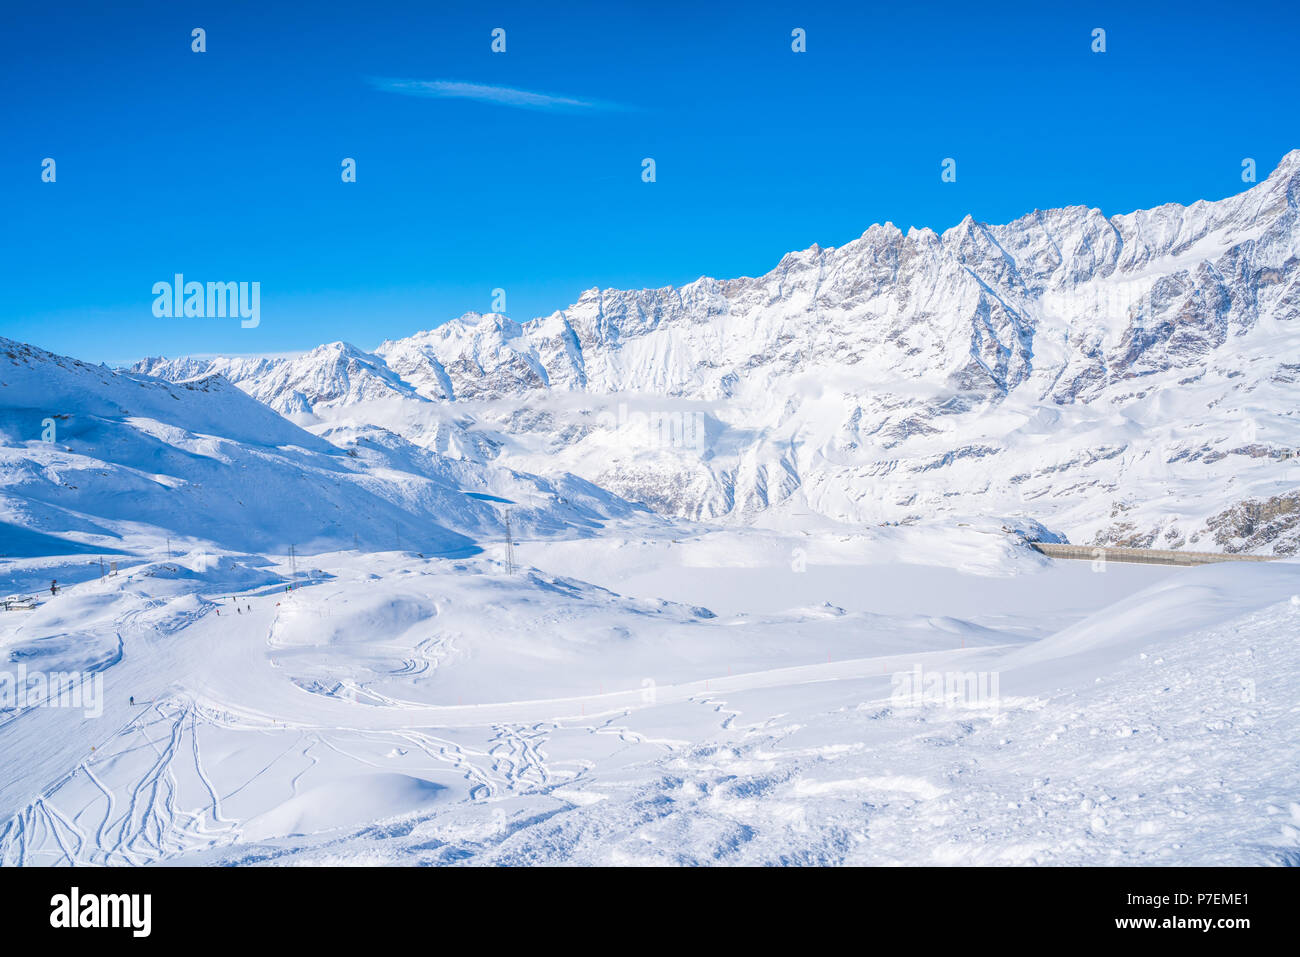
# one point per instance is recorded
(787, 683)
(98, 461)
(1127, 379)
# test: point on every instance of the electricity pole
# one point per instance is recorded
(510, 547)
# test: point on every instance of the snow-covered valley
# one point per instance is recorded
(392, 709)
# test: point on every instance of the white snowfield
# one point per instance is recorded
(392, 709)
(286, 627)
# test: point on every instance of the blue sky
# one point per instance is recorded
(522, 170)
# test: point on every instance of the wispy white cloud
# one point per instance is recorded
(500, 95)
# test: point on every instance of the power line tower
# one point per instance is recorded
(510, 547)
(293, 564)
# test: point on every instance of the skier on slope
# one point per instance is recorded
(132, 699)
(54, 587)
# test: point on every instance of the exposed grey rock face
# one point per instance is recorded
(1252, 525)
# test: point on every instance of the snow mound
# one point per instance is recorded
(345, 803)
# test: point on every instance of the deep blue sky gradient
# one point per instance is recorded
(225, 165)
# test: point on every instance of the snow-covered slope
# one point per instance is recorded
(333, 374)
(93, 460)
(399, 710)
(1129, 379)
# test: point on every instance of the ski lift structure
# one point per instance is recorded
(504, 505)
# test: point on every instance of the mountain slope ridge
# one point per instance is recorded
(896, 354)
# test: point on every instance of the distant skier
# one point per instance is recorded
(54, 587)
(249, 609)
(133, 701)
(237, 611)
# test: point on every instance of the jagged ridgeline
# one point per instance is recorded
(1128, 379)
